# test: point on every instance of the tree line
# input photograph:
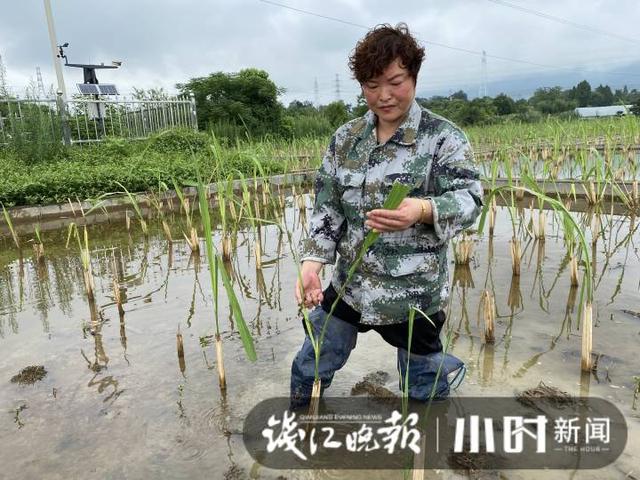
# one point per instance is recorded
(245, 105)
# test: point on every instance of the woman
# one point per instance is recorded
(396, 140)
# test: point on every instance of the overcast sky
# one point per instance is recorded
(163, 42)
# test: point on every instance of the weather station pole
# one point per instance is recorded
(54, 49)
(61, 97)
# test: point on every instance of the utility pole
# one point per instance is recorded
(337, 87)
(54, 49)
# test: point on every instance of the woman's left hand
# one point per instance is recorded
(408, 213)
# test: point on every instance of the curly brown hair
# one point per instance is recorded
(380, 47)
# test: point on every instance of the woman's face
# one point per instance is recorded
(390, 94)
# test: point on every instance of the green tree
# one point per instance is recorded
(459, 95)
(477, 111)
(635, 109)
(155, 94)
(361, 106)
(247, 100)
(336, 112)
(297, 108)
(522, 106)
(582, 93)
(551, 100)
(621, 95)
(602, 96)
(504, 104)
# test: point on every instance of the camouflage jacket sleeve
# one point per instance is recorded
(458, 191)
(327, 222)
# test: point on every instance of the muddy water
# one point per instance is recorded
(115, 403)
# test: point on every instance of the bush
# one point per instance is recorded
(111, 146)
(228, 133)
(34, 136)
(567, 116)
(311, 126)
(178, 140)
(530, 116)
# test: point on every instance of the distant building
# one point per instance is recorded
(608, 111)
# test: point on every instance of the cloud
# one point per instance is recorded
(164, 42)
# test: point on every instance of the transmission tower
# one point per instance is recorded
(483, 76)
(316, 92)
(41, 92)
(337, 87)
(3, 79)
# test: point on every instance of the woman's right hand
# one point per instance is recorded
(311, 284)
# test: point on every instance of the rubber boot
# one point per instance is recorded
(339, 341)
(429, 374)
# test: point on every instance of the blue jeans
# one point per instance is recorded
(340, 340)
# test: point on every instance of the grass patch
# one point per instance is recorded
(87, 172)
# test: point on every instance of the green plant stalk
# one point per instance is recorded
(70, 230)
(235, 205)
(557, 206)
(37, 234)
(258, 169)
(246, 197)
(214, 262)
(187, 211)
(433, 391)
(85, 257)
(136, 207)
(211, 257)
(7, 219)
(216, 150)
(512, 203)
(222, 206)
(405, 380)
(252, 219)
(154, 198)
(245, 334)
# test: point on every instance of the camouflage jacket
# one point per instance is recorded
(404, 268)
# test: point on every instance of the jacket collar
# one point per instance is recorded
(407, 131)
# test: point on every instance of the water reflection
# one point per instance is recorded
(162, 285)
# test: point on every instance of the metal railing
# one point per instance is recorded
(23, 120)
(82, 120)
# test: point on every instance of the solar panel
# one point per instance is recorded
(88, 88)
(97, 89)
(107, 89)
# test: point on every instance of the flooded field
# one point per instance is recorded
(108, 397)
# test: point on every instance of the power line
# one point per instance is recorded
(563, 21)
(481, 53)
(315, 14)
(451, 47)
(429, 42)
